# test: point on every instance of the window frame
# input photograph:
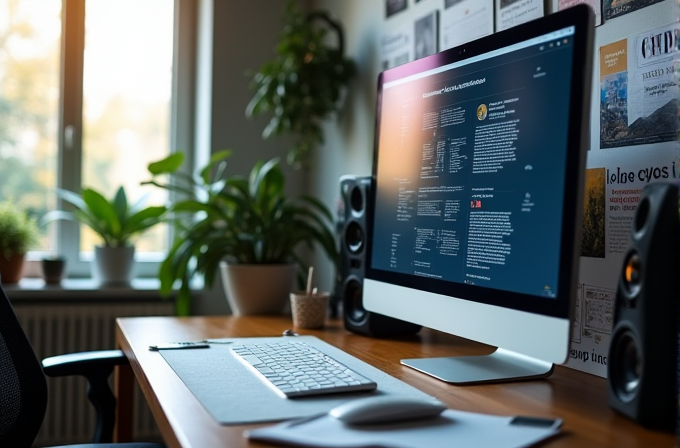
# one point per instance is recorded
(70, 122)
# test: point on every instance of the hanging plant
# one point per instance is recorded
(304, 84)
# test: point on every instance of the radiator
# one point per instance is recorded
(55, 328)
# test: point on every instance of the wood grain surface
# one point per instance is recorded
(578, 398)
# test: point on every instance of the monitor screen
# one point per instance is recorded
(477, 186)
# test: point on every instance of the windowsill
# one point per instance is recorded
(82, 289)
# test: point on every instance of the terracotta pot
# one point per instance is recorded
(11, 270)
(258, 288)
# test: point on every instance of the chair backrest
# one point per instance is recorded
(23, 388)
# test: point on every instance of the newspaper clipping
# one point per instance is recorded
(638, 91)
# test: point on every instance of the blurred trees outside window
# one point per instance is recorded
(126, 87)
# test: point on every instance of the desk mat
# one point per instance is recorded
(233, 395)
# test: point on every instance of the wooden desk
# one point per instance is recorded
(578, 398)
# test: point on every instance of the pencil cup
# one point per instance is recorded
(309, 311)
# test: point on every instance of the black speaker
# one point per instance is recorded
(642, 366)
(356, 196)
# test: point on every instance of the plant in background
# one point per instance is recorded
(238, 219)
(304, 84)
(18, 232)
(115, 220)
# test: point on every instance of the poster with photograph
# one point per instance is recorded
(513, 12)
(638, 90)
(465, 20)
(396, 47)
(616, 8)
(593, 238)
(595, 4)
(612, 194)
(394, 6)
(653, 87)
(425, 35)
(614, 94)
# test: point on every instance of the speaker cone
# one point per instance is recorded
(632, 274)
(353, 305)
(354, 237)
(626, 366)
(356, 199)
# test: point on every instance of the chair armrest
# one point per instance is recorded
(97, 367)
(84, 363)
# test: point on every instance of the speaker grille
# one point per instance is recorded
(632, 276)
(354, 237)
(627, 365)
(357, 200)
(354, 307)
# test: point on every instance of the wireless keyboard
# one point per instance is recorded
(295, 369)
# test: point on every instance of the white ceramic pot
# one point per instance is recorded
(113, 265)
(257, 288)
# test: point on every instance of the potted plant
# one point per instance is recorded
(244, 227)
(117, 223)
(304, 84)
(18, 233)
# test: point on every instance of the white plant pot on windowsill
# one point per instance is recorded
(258, 288)
(113, 265)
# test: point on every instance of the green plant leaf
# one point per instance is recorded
(167, 165)
(138, 205)
(215, 159)
(102, 215)
(192, 206)
(55, 215)
(72, 198)
(143, 219)
(18, 231)
(240, 220)
(120, 204)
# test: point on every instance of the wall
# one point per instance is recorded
(233, 37)
(349, 141)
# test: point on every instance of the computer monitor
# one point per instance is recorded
(476, 215)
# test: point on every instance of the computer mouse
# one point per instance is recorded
(386, 409)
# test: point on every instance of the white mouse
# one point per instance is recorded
(385, 409)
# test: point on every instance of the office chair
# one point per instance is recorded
(23, 388)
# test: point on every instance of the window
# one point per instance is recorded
(30, 34)
(85, 100)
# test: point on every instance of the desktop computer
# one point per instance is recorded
(476, 212)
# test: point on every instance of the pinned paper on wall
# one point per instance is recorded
(638, 92)
(396, 47)
(616, 8)
(394, 6)
(596, 5)
(464, 21)
(425, 35)
(510, 13)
